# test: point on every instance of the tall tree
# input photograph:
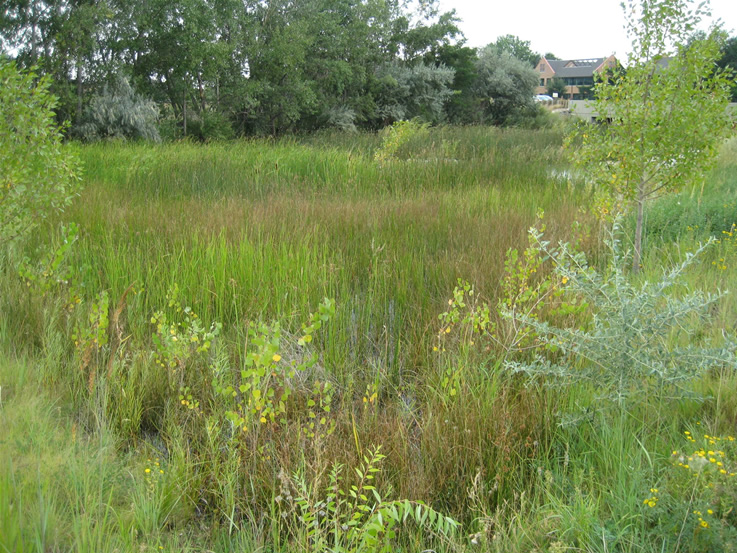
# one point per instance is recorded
(461, 105)
(504, 86)
(518, 48)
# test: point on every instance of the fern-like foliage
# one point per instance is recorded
(355, 518)
(642, 338)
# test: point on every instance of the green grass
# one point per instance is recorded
(262, 231)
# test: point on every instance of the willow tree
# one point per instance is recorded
(664, 116)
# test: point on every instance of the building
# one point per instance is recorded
(578, 75)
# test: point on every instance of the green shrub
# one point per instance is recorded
(37, 175)
(397, 136)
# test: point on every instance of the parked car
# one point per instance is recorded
(543, 98)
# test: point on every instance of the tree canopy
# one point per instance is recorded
(215, 68)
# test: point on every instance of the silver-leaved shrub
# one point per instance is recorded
(641, 338)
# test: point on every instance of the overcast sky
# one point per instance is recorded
(569, 29)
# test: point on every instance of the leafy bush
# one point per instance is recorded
(505, 86)
(342, 118)
(208, 126)
(397, 136)
(37, 175)
(119, 113)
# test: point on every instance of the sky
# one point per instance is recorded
(572, 29)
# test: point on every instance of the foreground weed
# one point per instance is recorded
(266, 380)
(353, 518)
(52, 271)
(154, 497)
(693, 506)
(180, 339)
(91, 338)
(531, 292)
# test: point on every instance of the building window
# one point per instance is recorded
(579, 81)
(542, 82)
(542, 68)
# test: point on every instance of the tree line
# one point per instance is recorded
(223, 68)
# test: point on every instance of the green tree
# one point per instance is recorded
(728, 60)
(667, 110)
(460, 107)
(557, 85)
(504, 87)
(37, 175)
(518, 48)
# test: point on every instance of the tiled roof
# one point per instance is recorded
(577, 68)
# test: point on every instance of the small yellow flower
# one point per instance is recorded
(710, 512)
(564, 280)
(147, 471)
(276, 358)
(704, 524)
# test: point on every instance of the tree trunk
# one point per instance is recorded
(201, 88)
(184, 112)
(637, 258)
(79, 88)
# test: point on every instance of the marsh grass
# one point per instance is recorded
(260, 231)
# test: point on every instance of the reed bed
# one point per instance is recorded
(120, 444)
